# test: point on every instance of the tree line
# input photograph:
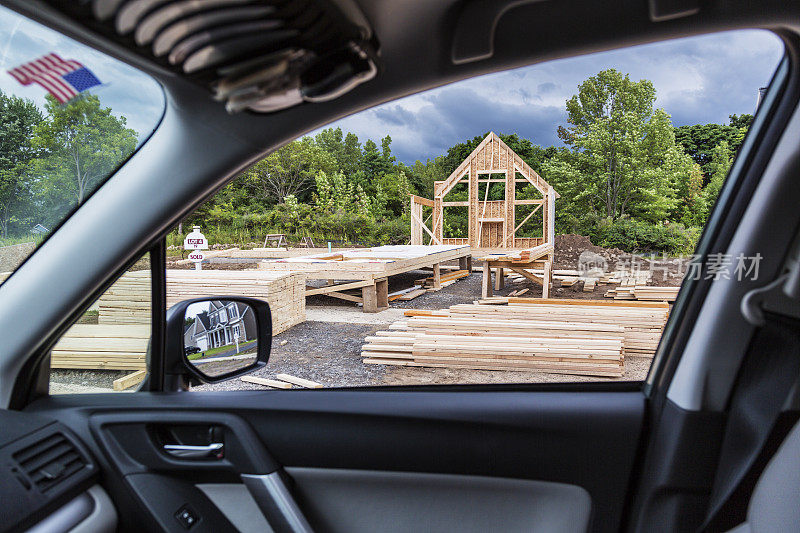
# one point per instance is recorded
(627, 177)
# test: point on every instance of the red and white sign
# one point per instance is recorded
(197, 256)
(195, 240)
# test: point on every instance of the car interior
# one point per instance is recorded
(710, 441)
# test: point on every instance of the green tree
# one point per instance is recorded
(334, 193)
(700, 140)
(691, 209)
(18, 120)
(83, 143)
(622, 159)
(720, 164)
(423, 175)
(290, 170)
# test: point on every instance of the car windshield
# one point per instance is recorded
(69, 116)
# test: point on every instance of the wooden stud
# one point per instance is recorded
(499, 279)
(129, 380)
(294, 380)
(267, 382)
(547, 279)
(486, 282)
(437, 277)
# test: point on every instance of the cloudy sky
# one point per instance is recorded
(129, 93)
(698, 80)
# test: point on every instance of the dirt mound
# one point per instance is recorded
(570, 247)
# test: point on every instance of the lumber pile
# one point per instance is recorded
(568, 278)
(644, 292)
(465, 342)
(588, 337)
(282, 381)
(100, 346)
(283, 291)
(127, 301)
(643, 322)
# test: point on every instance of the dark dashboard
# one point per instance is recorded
(47, 477)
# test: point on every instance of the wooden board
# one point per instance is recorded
(587, 337)
(307, 383)
(367, 263)
(128, 381)
(127, 301)
(267, 382)
(98, 346)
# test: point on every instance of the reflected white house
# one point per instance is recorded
(223, 323)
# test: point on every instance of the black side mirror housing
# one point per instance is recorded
(230, 330)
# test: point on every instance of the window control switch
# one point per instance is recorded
(186, 516)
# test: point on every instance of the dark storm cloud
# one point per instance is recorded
(697, 80)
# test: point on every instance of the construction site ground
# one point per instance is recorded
(326, 348)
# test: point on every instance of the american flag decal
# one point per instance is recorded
(63, 79)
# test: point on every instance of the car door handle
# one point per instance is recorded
(187, 451)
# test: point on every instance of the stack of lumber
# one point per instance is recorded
(520, 256)
(406, 295)
(570, 277)
(127, 301)
(283, 291)
(588, 337)
(466, 342)
(95, 346)
(656, 293)
(644, 292)
(446, 279)
(643, 322)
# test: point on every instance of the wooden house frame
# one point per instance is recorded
(492, 223)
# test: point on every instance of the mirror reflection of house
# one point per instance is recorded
(223, 323)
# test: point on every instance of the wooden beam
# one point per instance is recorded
(421, 200)
(337, 288)
(129, 380)
(422, 224)
(525, 219)
(267, 382)
(294, 380)
(530, 201)
(455, 204)
(345, 296)
(486, 281)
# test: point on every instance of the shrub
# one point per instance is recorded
(637, 236)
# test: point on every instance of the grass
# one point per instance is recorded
(10, 241)
(220, 349)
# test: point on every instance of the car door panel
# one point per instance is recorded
(435, 456)
(363, 501)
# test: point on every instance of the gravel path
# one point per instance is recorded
(326, 352)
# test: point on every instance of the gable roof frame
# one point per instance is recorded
(441, 188)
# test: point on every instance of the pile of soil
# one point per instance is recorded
(569, 247)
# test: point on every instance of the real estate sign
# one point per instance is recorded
(195, 240)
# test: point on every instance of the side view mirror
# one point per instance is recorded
(217, 338)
